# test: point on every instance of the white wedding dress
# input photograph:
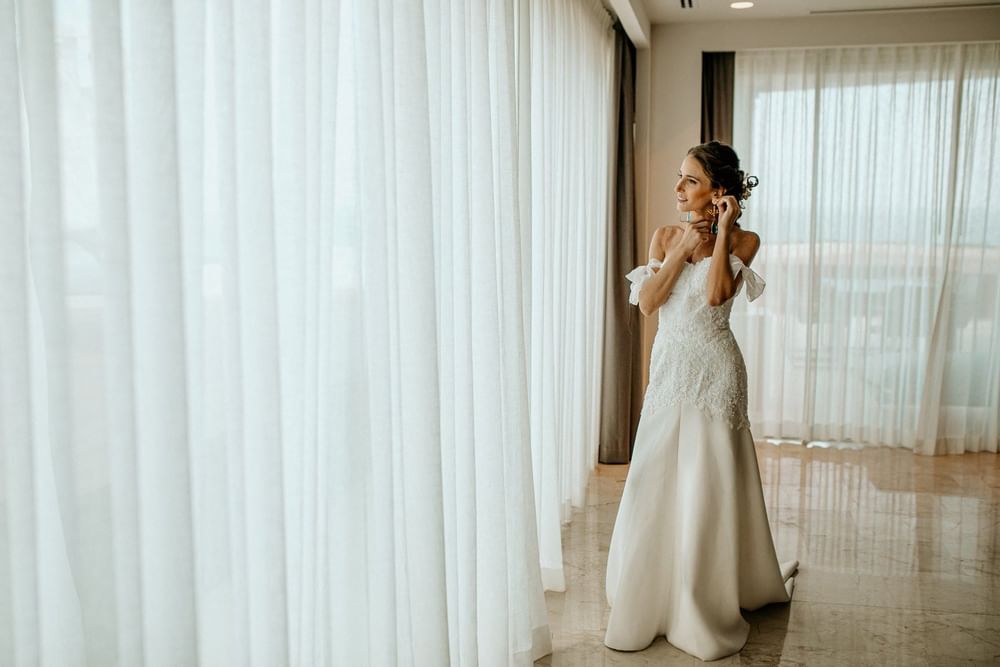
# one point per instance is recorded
(691, 543)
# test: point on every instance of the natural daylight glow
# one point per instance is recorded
(741, 5)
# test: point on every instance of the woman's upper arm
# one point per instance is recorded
(660, 242)
(747, 247)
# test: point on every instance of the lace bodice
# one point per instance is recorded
(695, 357)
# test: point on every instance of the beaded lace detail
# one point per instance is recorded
(695, 358)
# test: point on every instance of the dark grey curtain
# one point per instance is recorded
(717, 74)
(621, 390)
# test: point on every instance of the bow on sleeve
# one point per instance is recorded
(640, 275)
(755, 284)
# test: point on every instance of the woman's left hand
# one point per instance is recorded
(729, 210)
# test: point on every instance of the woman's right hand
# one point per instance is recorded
(694, 234)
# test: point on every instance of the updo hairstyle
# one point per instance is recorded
(722, 166)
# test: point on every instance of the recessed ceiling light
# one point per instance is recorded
(741, 5)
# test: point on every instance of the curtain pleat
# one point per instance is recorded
(19, 613)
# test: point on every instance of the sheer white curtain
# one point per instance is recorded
(880, 219)
(572, 48)
(264, 391)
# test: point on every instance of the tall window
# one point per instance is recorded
(881, 243)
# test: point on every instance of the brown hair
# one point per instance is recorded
(722, 166)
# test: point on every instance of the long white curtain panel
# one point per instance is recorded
(299, 326)
(572, 125)
(880, 216)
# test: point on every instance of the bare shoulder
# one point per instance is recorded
(745, 246)
(663, 238)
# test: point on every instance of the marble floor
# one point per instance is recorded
(899, 563)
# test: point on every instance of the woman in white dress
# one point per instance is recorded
(691, 544)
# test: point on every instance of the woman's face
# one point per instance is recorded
(693, 189)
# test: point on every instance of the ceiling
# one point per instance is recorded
(670, 11)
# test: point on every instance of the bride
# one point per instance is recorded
(691, 544)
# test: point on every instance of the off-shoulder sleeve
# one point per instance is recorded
(638, 276)
(755, 284)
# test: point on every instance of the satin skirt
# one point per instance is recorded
(691, 545)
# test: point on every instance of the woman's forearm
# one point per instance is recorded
(657, 289)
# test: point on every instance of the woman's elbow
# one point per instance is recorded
(647, 306)
(716, 299)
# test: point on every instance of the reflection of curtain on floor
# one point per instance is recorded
(880, 220)
(717, 97)
(621, 386)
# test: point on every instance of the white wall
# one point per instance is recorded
(668, 96)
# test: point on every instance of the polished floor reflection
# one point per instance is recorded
(898, 563)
